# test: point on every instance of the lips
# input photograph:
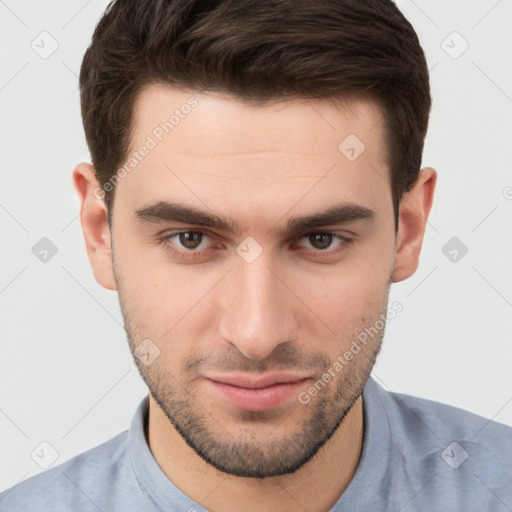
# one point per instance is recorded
(245, 381)
(258, 393)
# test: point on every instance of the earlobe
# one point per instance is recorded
(93, 217)
(415, 208)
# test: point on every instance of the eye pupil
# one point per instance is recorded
(190, 239)
(324, 240)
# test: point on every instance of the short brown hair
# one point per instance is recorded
(261, 50)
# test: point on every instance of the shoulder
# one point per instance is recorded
(453, 456)
(75, 484)
(445, 420)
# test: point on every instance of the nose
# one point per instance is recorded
(257, 313)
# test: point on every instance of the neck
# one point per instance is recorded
(316, 486)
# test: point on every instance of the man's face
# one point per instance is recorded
(263, 300)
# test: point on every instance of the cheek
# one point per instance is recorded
(352, 286)
(170, 301)
(346, 302)
(347, 296)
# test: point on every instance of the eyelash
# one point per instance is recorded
(190, 254)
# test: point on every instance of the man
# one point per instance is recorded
(255, 189)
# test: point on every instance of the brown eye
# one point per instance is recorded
(192, 242)
(190, 239)
(324, 244)
(198, 244)
(320, 240)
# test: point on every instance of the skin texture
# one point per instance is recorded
(295, 308)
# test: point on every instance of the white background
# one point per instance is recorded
(66, 373)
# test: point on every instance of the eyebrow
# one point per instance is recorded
(164, 211)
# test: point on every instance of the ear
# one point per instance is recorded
(415, 208)
(93, 217)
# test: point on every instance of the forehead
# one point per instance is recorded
(277, 125)
(203, 144)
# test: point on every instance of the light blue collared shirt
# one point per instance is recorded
(418, 455)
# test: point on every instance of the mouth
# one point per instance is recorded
(260, 393)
